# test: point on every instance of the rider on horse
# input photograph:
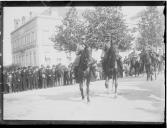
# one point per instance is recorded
(77, 62)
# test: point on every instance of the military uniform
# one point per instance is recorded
(5, 82)
(24, 79)
(9, 80)
(44, 78)
(22, 83)
(18, 76)
(53, 77)
(30, 76)
(36, 78)
(13, 81)
(40, 78)
(48, 76)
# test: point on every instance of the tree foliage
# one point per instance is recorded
(92, 29)
(151, 28)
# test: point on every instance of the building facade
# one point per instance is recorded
(31, 44)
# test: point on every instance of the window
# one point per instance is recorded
(13, 59)
(19, 44)
(30, 59)
(22, 44)
(34, 58)
(46, 36)
(29, 38)
(26, 39)
(16, 44)
(32, 36)
(16, 59)
(26, 59)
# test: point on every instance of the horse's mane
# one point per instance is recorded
(108, 62)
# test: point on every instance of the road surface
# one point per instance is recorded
(138, 100)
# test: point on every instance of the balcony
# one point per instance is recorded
(24, 48)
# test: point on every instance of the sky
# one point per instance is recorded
(10, 13)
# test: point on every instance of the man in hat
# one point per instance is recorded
(5, 75)
(24, 78)
(44, 77)
(48, 76)
(78, 55)
(36, 78)
(53, 76)
(29, 76)
(77, 60)
(9, 81)
(13, 81)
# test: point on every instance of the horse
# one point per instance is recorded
(155, 63)
(134, 63)
(110, 67)
(161, 59)
(83, 72)
(150, 62)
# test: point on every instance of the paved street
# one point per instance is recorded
(138, 100)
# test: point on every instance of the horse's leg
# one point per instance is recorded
(116, 86)
(155, 72)
(112, 82)
(147, 75)
(135, 70)
(87, 89)
(116, 82)
(106, 82)
(81, 89)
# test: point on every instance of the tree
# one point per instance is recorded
(69, 33)
(107, 20)
(92, 29)
(151, 28)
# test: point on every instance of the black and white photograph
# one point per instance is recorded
(84, 63)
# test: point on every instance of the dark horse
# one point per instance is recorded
(134, 63)
(84, 70)
(150, 62)
(110, 67)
